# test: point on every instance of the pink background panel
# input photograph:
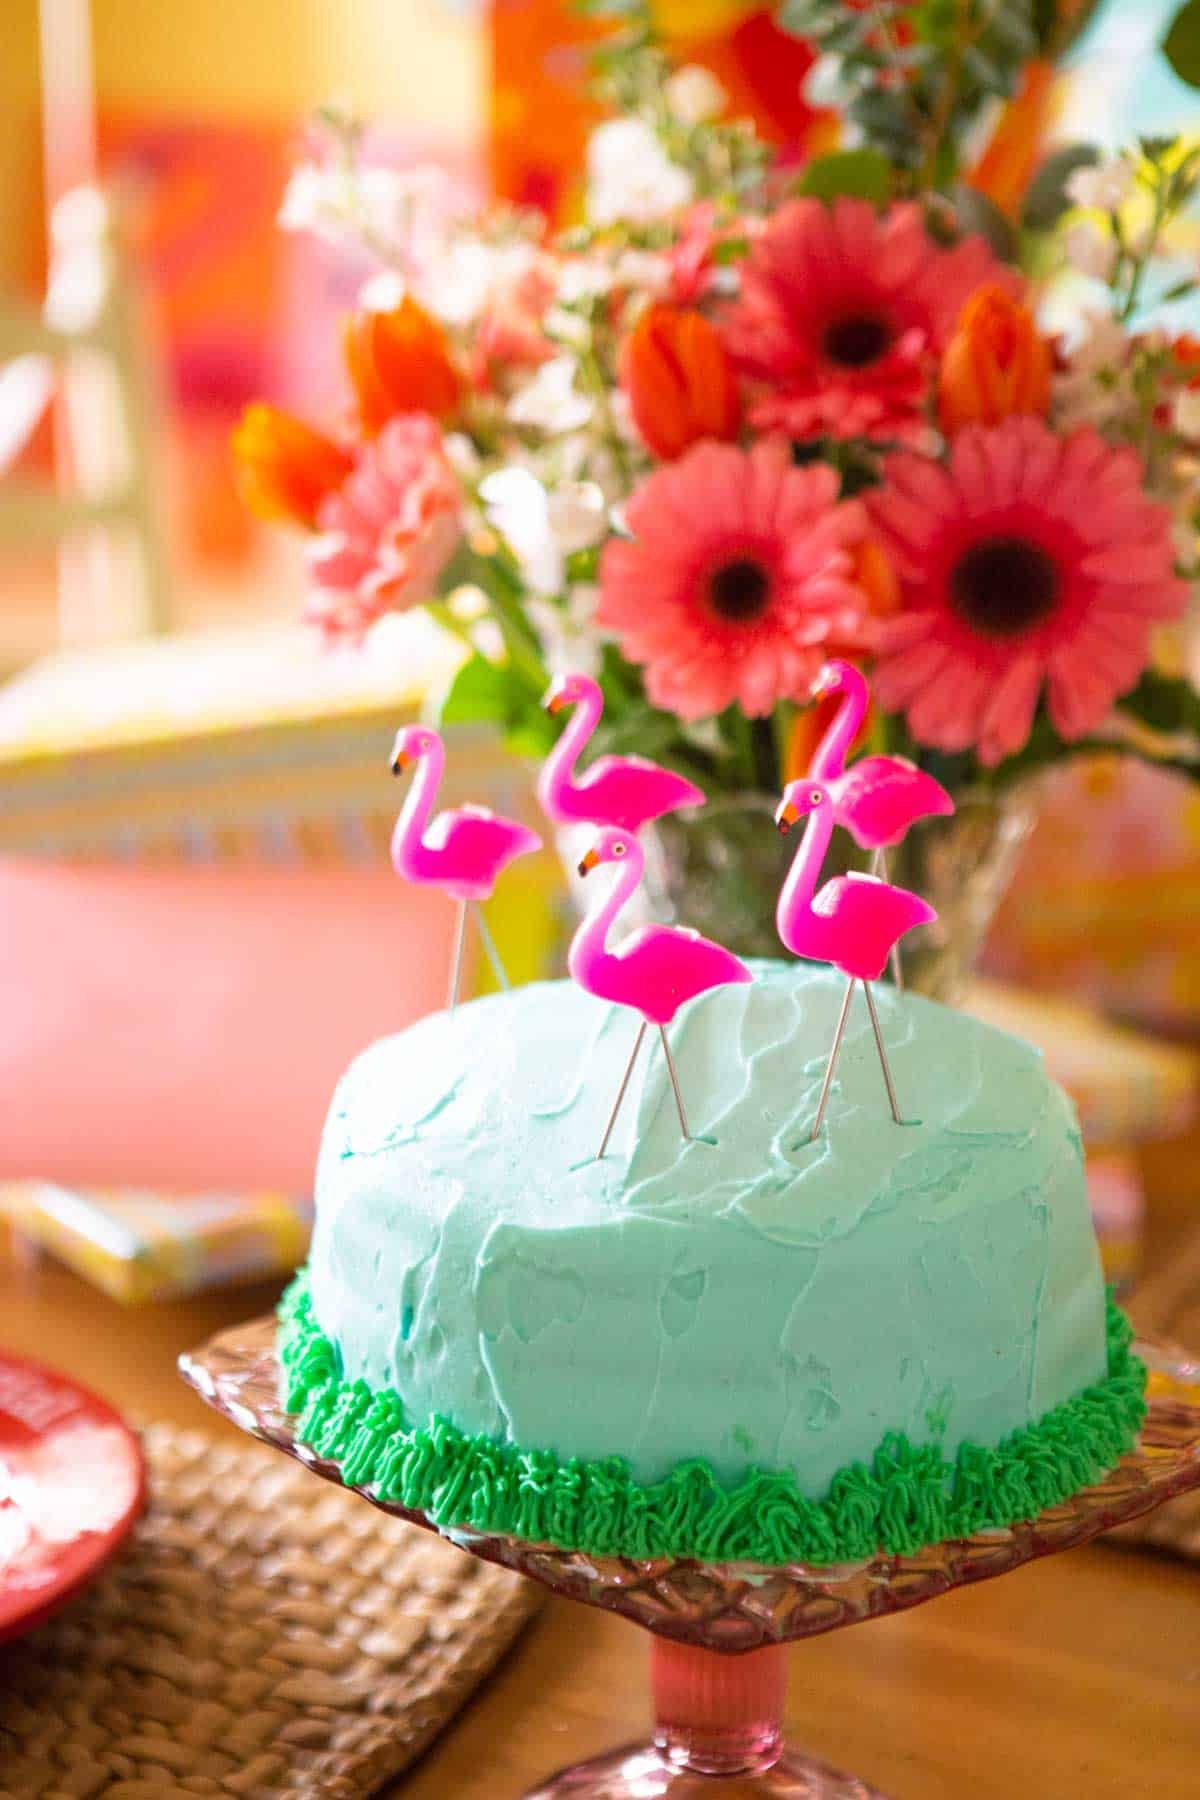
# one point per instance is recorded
(184, 1027)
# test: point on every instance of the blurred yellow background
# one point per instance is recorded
(422, 61)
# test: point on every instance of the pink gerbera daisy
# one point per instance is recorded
(843, 312)
(739, 572)
(388, 531)
(1030, 561)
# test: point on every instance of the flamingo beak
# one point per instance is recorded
(786, 817)
(400, 762)
(590, 861)
(824, 685)
(554, 701)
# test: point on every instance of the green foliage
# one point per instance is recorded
(919, 75)
(485, 692)
(1181, 46)
(1164, 704)
(864, 174)
(1170, 176)
(1047, 199)
(976, 213)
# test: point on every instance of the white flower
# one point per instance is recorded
(317, 198)
(543, 527)
(461, 454)
(1187, 412)
(644, 270)
(465, 276)
(824, 85)
(518, 506)
(583, 278)
(694, 95)
(583, 457)
(570, 643)
(567, 327)
(550, 401)
(1104, 185)
(1095, 388)
(1091, 251)
(382, 292)
(397, 212)
(577, 515)
(630, 176)
(1104, 348)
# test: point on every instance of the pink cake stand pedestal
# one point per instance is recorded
(718, 1662)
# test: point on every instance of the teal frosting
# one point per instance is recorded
(908, 1497)
(747, 1301)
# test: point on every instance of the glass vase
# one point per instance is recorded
(720, 871)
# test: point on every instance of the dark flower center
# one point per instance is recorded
(857, 340)
(739, 590)
(1004, 586)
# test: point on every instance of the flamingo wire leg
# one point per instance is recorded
(674, 1073)
(887, 1073)
(831, 1065)
(456, 967)
(493, 955)
(612, 1117)
(879, 866)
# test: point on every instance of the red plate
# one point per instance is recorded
(72, 1483)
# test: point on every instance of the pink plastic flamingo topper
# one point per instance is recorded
(627, 791)
(655, 970)
(878, 797)
(852, 923)
(463, 851)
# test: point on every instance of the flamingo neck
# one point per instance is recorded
(591, 940)
(795, 899)
(582, 723)
(418, 805)
(829, 759)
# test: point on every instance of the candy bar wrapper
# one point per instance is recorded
(141, 1246)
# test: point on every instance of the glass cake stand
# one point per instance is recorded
(718, 1663)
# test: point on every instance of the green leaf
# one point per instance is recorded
(976, 213)
(1047, 199)
(887, 122)
(802, 18)
(488, 693)
(1164, 703)
(1181, 46)
(864, 174)
(480, 691)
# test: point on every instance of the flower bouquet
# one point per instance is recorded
(923, 402)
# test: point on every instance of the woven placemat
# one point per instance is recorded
(263, 1635)
(1167, 1306)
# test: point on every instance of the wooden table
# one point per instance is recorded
(1078, 1676)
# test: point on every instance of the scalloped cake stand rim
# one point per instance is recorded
(736, 1607)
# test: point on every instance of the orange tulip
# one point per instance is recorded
(399, 362)
(996, 364)
(680, 382)
(284, 467)
(1005, 171)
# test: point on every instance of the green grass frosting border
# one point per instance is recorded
(908, 1498)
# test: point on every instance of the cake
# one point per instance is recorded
(750, 1346)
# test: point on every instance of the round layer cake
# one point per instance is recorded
(751, 1344)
